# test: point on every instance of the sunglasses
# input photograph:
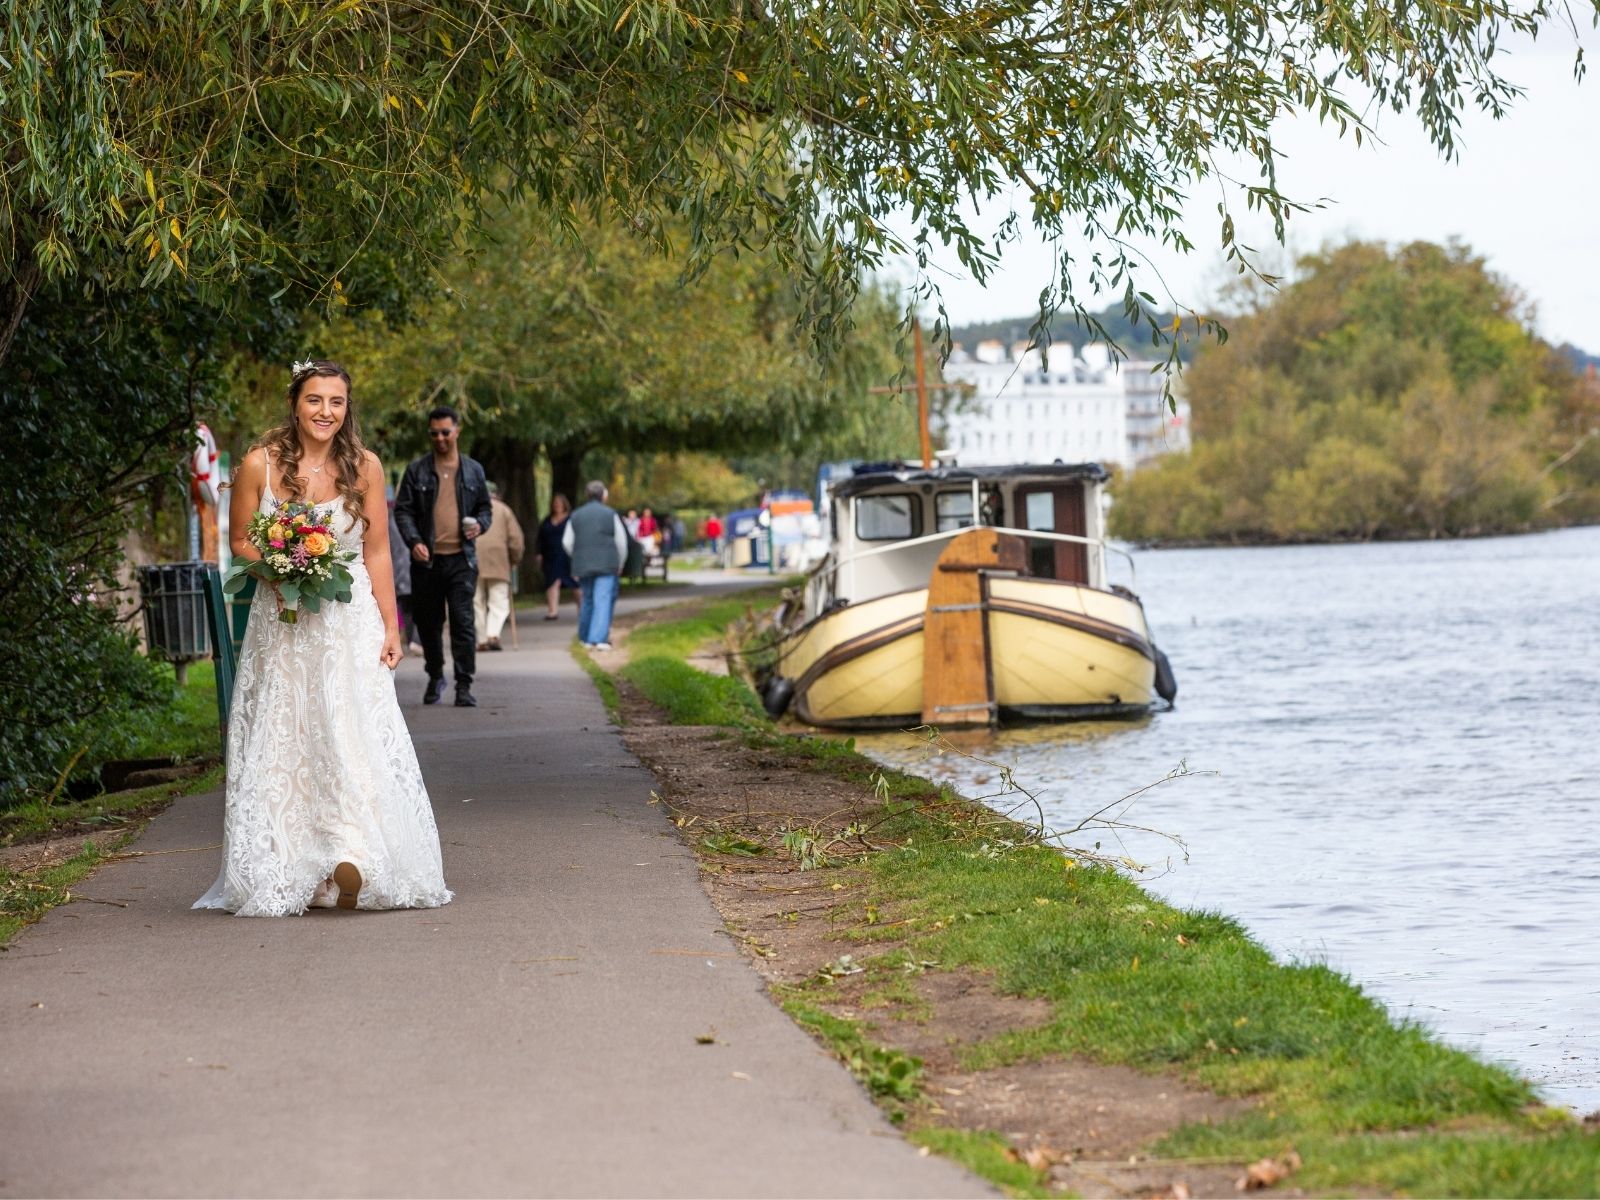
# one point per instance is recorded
(440, 433)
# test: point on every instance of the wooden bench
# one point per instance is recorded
(639, 564)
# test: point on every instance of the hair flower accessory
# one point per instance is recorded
(303, 368)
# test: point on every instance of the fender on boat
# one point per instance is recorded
(776, 695)
(1166, 681)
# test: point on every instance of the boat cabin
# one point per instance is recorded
(890, 526)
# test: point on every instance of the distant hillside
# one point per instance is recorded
(1582, 361)
(1064, 330)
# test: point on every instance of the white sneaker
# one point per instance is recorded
(601, 646)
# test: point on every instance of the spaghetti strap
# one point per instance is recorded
(266, 493)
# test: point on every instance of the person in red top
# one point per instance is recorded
(649, 532)
(714, 533)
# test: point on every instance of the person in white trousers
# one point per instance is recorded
(499, 552)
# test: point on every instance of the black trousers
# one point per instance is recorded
(446, 584)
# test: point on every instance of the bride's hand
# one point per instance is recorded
(391, 654)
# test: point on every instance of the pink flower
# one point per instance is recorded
(276, 543)
(300, 556)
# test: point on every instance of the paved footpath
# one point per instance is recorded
(535, 1037)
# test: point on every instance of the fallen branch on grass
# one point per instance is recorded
(1038, 829)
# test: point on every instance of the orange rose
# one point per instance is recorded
(317, 545)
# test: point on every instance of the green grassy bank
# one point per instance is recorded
(183, 733)
(1370, 1104)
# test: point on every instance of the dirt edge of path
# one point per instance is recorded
(1084, 1126)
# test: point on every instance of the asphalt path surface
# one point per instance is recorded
(536, 1037)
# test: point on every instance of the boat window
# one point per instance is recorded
(887, 518)
(952, 510)
(1041, 510)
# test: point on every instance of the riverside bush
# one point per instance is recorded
(103, 389)
(1382, 394)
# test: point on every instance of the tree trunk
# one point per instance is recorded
(566, 471)
(509, 463)
(14, 296)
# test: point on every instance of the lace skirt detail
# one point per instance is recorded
(321, 769)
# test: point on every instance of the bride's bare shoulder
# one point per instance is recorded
(370, 464)
(252, 467)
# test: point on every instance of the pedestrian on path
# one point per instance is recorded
(325, 803)
(598, 543)
(442, 508)
(400, 559)
(551, 557)
(499, 552)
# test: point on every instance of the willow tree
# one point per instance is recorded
(562, 345)
(201, 137)
(238, 160)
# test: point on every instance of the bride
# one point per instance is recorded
(325, 802)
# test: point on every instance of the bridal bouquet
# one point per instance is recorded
(298, 556)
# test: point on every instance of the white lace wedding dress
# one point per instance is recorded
(321, 769)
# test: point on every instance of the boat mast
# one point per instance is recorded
(922, 397)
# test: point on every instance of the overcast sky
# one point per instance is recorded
(1523, 195)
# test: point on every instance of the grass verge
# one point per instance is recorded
(187, 729)
(987, 1155)
(27, 895)
(36, 820)
(656, 653)
(185, 733)
(1368, 1104)
(604, 684)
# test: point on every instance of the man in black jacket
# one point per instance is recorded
(442, 505)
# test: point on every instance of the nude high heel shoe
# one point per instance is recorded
(348, 876)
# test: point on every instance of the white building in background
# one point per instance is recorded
(1078, 409)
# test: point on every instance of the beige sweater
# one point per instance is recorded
(500, 549)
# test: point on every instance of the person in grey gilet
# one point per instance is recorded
(598, 545)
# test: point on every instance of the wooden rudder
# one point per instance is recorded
(957, 683)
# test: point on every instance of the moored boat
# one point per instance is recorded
(963, 596)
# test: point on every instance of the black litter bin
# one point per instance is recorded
(175, 619)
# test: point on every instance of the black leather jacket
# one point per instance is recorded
(413, 503)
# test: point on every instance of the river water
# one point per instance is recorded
(1397, 772)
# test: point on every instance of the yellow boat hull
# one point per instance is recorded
(1055, 651)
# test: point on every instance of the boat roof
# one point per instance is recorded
(877, 476)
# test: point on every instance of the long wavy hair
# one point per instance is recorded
(283, 443)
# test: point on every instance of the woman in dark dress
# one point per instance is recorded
(553, 560)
